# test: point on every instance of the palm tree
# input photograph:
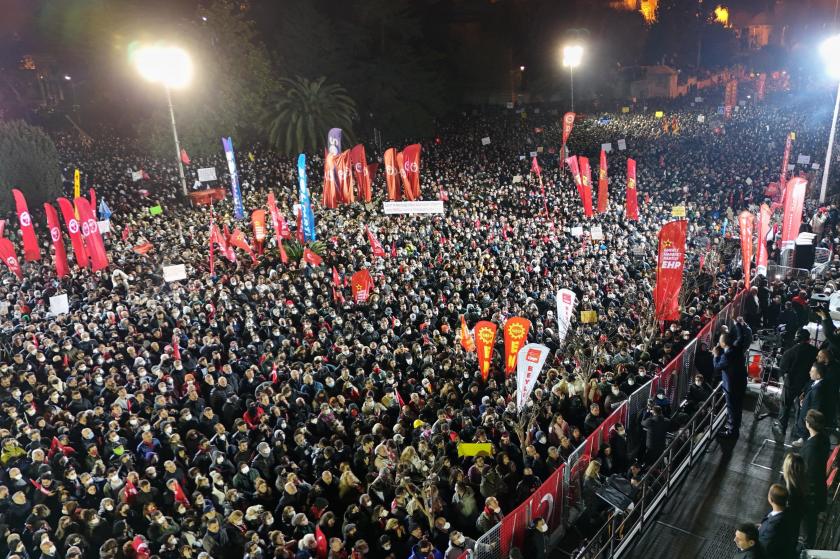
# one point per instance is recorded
(304, 111)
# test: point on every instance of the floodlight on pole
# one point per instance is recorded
(171, 67)
(572, 57)
(830, 51)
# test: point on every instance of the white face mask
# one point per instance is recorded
(245, 470)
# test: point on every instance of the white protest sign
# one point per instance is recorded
(791, 167)
(815, 166)
(607, 147)
(509, 104)
(485, 141)
(748, 181)
(174, 273)
(698, 99)
(622, 145)
(701, 118)
(104, 226)
(136, 175)
(803, 159)
(4, 308)
(59, 305)
(533, 154)
(418, 207)
(596, 233)
(517, 178)
(207, 174)
(577, 231)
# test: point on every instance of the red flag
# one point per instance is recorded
(30, 241)
(130, 491)
(372, 169)
(211, 249)
(535, 167)
(603, 183)
(411, 166)
(320, 543)
(763, 230)
(745, 224)
(406, 187)
(669, 270)
(516, 335)
(485, 339)
(2, 227)
(358, 160)
(330, 196)
(631, 200)
(393, 249)
(391, 174)
(572, 162)
(61, 268)
(299, 230)
(467, 341)
(792, 218)
(176, 349)
(345, 178)
(69, 214)
(143, 248)
(126, 232)
(237, 239)
(92, 193)
(179, 495)
(94, 245)
(311, 258)
(185, 159)
(785, 158)
(335, 278)
(258, 225)
(375, 246)
(56, 446)
(362, 285)
(399, 398)
(140, 547)
(586, 180)
(568, 124)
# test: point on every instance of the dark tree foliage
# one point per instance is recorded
(28, 162)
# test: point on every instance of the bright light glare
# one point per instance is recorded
(830, 51)
(67, 77)
(170, 66)
(522, 68)
(572, 55)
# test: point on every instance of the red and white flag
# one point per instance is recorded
(61, 267)
(94, 245)
(529, 363)
(603, 184)
(31, 251)
(763, 230)
(311, 258)
(392, 175)
(375, 246)
(7, 253)
(631, 199)
(745, 224)
(669, 270)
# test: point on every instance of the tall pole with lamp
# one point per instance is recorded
(172, 68)
(572, 56)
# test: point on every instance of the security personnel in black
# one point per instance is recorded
(793, 368)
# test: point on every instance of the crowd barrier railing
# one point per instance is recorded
(559, 497)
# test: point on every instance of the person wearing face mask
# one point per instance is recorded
(537, 540)
(614, 399)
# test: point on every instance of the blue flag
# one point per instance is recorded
(308, 218)
(235, 191)
(104, 210)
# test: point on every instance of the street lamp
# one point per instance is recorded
(172, 68)
(572, 55)
(830, 51)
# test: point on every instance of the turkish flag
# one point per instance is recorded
(76, 240)
(411, 166)
(330, 195)
(485, 339)
(603, 184)
(7, 253)
(516, 336)
(586, 181)
(311, 258)
(631, 200)
(392, 173)
(61, 267)
(669, 270)
(30, 241)
(375, 246)
(362, 284)
(745, 224)
(94, 245)
(358, 160)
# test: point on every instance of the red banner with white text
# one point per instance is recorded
(9, 257)
(94, 245)
(745, 224)
(586, 181)
(61, 268)
(358, 160)
(516, 336)
(794, 200)
(392, 175)
(485, 339)
(31, 251)
(631, 198)
(411, 166)
(669, 270)
(73, 229)
(763, 230)
(603, 184)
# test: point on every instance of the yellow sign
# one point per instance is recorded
(77, 184)
(475, 449)
(659, 114)
(625, 109)
(588, 317)
(793, 136)
(678, 211)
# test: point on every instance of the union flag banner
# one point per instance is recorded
(516, 335)
(411, 166)
(586, 181)
(30, 241)
(572, 162)
(73, 229)
(61, 268)
(763, 230)
(794, 200)
(568, 124)
(94, 245)
(375, 246)
(358, 160)
(345, 178)
(669, 270)
(467, 341)
(406, 188)
(392, 174)
(745, 224)
(7, 254)
(362, 284)
(603, 183)
(631, 200)
(485, 339)
(330, 195)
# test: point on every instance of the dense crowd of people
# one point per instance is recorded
(254, 413)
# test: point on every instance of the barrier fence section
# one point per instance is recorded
(547, 502)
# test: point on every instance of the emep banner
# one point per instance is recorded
(529, 363)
